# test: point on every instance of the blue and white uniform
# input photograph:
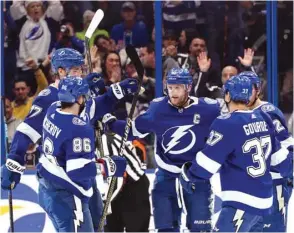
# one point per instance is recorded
(67, 166)
(277, 221)
(180, 134)
(242, 147)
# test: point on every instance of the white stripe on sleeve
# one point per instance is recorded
(207, 163)
(74, 164)
(29, 131)
(136, 133)
(288, 142)
(279, 156)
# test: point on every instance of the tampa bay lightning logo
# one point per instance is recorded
(77, 121)
(35, 33)
(267, 108)
(178, 139)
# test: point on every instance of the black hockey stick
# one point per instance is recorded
(92, 27)
(10, 210)
(132, 54)
(10, 190)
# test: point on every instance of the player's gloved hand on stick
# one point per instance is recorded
(114, 166)
(10, 173)
(96, 83)
(126, 87)
(185, 181)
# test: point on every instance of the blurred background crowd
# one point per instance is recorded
(214, 40)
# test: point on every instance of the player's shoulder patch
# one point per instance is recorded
(158, 99)
(224, 116)
(209, 101)
(268, 108)
(78, 121)
(45, 92)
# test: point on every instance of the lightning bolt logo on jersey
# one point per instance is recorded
(238, 219)
(180, 133)
(179, 139)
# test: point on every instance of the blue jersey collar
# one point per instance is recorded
(192, 101)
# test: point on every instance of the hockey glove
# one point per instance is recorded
(96, 84)
(128, 86)
(111, 145)
(107, 120)
(186, 183)
(114, 166)
(10, 174)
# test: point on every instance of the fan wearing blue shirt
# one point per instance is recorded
(130, 31)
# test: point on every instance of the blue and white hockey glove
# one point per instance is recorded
(185, 181)
(107, 120)
(114, 166)
(128, 86)
(96, 84)
(10, 173)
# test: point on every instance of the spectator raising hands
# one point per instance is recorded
(203, 62)
(38, 26)
(248, 57)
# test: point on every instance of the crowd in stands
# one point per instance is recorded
(214, 40)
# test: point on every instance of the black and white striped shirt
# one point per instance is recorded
(111, 146)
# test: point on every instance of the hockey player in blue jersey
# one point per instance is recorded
(181, 124)
(64, 62)
(67, 165)
(242, 147)
(277, 221)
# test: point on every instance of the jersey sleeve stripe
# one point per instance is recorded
(29, 131)
(207, 163)
(276, 176)
(288, 142)
(279, 156)
(74, 164)
(166, 166)
(136, 133)
(59, 172)
(247, 199)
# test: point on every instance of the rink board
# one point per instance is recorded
(30, 217)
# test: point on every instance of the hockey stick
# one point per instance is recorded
(10, 210)
(92, 27)
(10, 190)
(132, 54)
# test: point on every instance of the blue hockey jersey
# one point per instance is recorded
(68, 156)
(180, 132)
(279, 121)
(242, 147)
(281, 129)
(68, 145)
(30, 130)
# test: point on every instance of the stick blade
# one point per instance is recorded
(94, 23)
(133, 55)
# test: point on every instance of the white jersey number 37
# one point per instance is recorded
(262, 148)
